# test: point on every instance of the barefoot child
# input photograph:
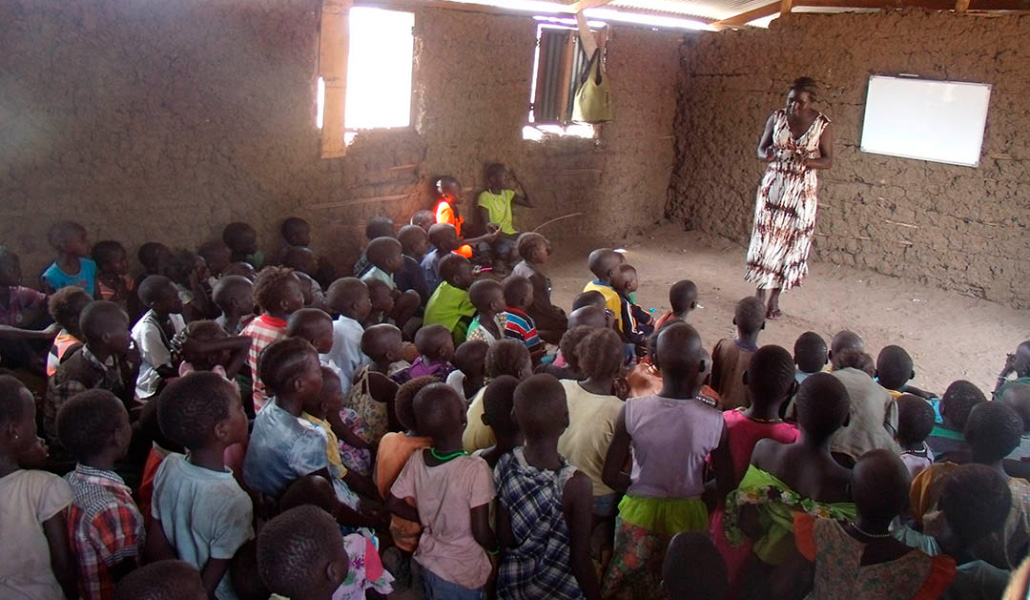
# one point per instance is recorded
(487, 296)
(71, 267)
(154, 332)
(544, 505)
(277, 293)
(452, 493)
(450, 305)
(550, 319)
(730, 358)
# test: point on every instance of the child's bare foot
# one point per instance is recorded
(773, 313)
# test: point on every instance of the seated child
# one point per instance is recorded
(1018, 364)
(154, 332)
(375, 228)
(243, 269)
(154, 257)
(730, 358)
(550, 319)
(448, 193)
(450, 305)
(770, 381)
(435, 351)
(217, 256)
(452, 493)
(348, 298)
(975, 503)
(947, 440)
(861, 560)
(106, 361)
(415, 242)
(682, 299)
(636, 322)
(915, 422)
(444, 240)
(570, 370)
(394, 451)
(494, 210)
(498, 403)
(205, 346)
(351, 430)
(785, 478)
(602, 263)
(469, 374)
(894, 370)
(304, 264)
(518, 325)
(296, 233)
(23, 313)
(163, 580)
(191, 277)
(386, 258)
(301, 555)
(105, 527)
(66, 306)
(35, 558)
(315, 326)
(241, 239)
(198, 511)
(693, 569)
(544, 504)
(71, 267)
(380, 297)
(487, 296)
(1017, 397)
(234, 297)
(843, 341)
(113, 280)
(373, 389)
(810, 355)
(423, 218)
(593, 408)
(506, 357)
(873, 421)
(278, 295)
(667, 438)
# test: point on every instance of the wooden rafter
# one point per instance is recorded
(746, 17)
(785, 7)
(585, 4)
(961, 5)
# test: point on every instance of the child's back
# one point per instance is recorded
(730, 358)
(915, 422)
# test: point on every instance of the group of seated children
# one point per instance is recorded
(230, 429)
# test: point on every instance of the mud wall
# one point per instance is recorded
(162, 121)
(956, 227)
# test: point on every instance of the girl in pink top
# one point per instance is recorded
(770, 381)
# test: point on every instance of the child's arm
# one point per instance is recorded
(715, 377)
(614, 474)
(502, 524)
(925, 395)
(61, 559)
(577, 506)
(8, 332)
(158, 546)
(362, 484)
(212, 573)
(345, 433)
(722, 464)
(484, 536)
(521, 197)
(402, 509)
(237, 346)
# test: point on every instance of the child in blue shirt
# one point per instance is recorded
(71, 267)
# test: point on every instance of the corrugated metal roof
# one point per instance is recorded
(707, 9)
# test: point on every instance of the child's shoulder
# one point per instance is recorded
(45, 492)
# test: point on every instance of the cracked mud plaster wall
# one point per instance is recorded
(163, 121)
(964, 229)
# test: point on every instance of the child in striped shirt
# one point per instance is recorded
(278, 295)
(518, 295)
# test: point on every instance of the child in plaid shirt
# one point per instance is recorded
(105, 528)
(518, 295)
(277, 292)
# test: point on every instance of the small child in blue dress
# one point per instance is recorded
(71, 267)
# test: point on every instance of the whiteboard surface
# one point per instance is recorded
(940, 121)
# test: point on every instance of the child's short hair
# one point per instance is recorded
(404, 401)
(410, 235)
(151, 253)
(292, 227)
(378, 340)
(61, 232)
(378, 227)
(822, 405)
(107, 251)
(498, 401)
(101, 317)
(482, 292)
(243, 269)
(958, 401)
(283, 361)
(810, 352)
(517, 290)
(210, 250)
(694, 569)
(880, 485)
(749, 316)
(470, 357)
(682, 296)
(853, 358)
(300, 258)
(993, 431)
(439, 409)
(423, 218)
(86, 422)
(191, 406)
(602, 261)
(507, 357)
(238, 234)
(232, 286)
(600, 354)
(975, 501)
(305, 323)
(381, 248)
(591, 298)
(181, 265)
(494, 171)
(569, 343)
(529, 242)
(441, 233)
(844, 340)
(12, 408)
(893, 367)
(204, 330)
(343, 292)
(293, 547)
(540, 406)
(161, 580)
(66, 305)
(151, 287)
(451, 266)
(431, 339)
(770, 375)
(270, 287)
(915, 419)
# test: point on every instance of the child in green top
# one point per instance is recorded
(493, 211)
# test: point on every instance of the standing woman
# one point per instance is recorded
(796, 143)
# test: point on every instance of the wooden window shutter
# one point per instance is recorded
(334, 46)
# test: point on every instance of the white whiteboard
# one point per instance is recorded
(940, 121)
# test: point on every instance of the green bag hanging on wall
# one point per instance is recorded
(593, 102)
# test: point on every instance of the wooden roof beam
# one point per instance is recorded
(585, 4)
(746, 17)
(927, 4)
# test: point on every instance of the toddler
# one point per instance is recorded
(348, 298)
(435, 351)
(71, 267)
(154, 332)
(487, 296)
(602, 263)
(278, 295)
(730, 358)
(636, 322)
(550, 319)
(450, 305)
(469, 374)
(518, 325)
(915, 422)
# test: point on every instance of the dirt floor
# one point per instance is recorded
(949, 336)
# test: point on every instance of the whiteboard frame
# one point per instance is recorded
(983, 116)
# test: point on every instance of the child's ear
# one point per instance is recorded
(222, 430)
(912, 375)
(763, 326)
(701, 367)
(487, 423)
(793, 389)
(847, 420)
(693, 305)
(734, 320)
(743, 378)
(332, 572)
